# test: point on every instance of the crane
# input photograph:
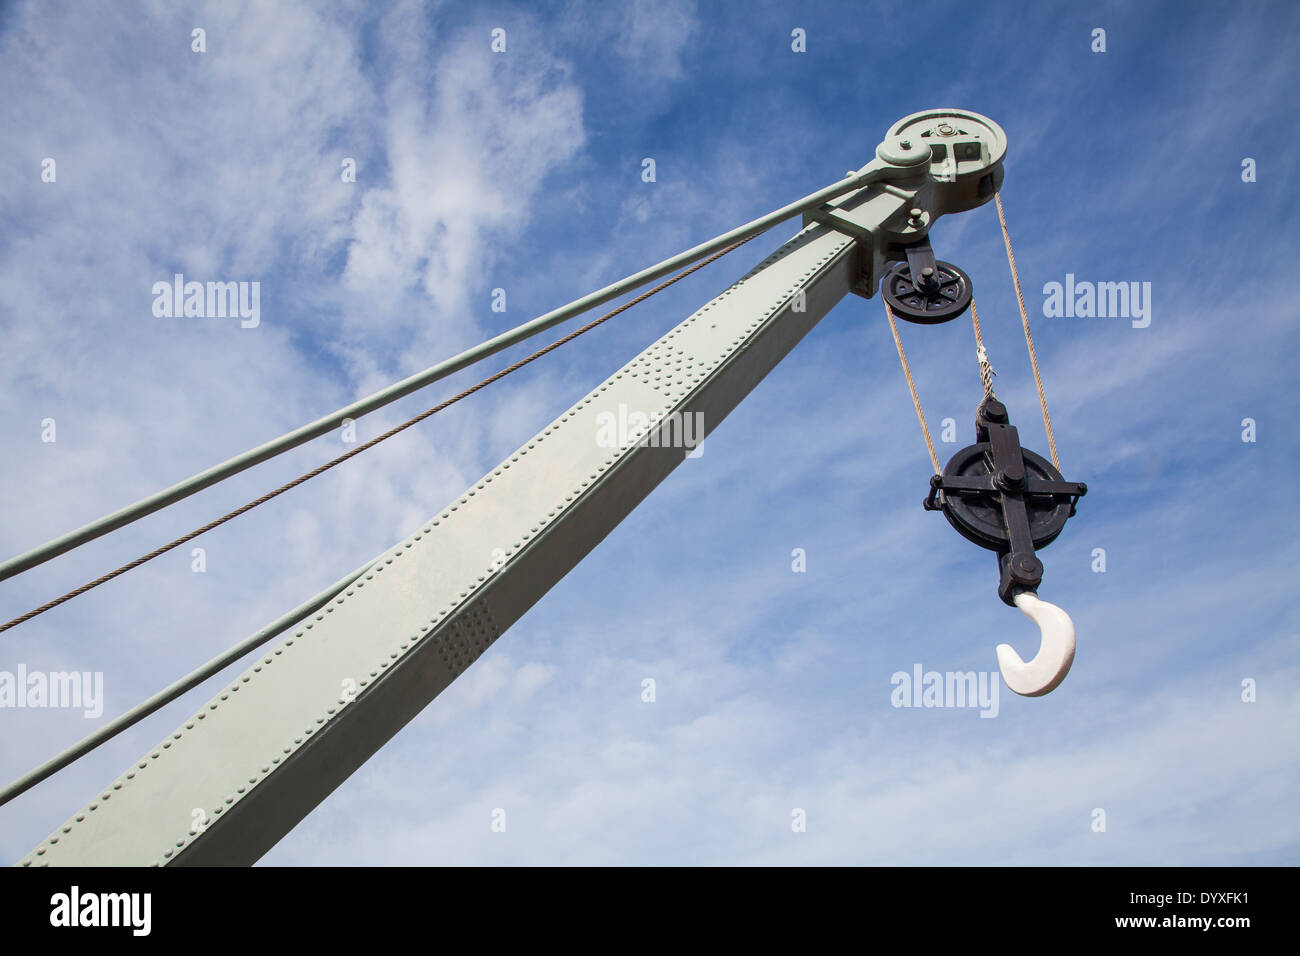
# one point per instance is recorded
(233, 779)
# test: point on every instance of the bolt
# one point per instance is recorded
(1029, 567)
(945, 129)
(906, 144)
(915, 213)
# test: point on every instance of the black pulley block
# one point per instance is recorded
(925, 289)
(944, 297)
(978, 515)
(1005, 498)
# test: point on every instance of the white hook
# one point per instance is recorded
(1054, 657)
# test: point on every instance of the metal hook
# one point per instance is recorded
(1055, 655)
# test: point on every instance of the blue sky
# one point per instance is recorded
(522, 171)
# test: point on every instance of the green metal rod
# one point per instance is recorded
(170, 693)
(299, 436)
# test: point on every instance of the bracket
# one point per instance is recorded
(940, 161)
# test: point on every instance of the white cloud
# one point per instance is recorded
(654, 35)
(465, 164)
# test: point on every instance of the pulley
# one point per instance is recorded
(1005, 498)
(924, 289)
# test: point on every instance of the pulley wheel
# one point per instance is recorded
(947, 299)
(977, 516)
